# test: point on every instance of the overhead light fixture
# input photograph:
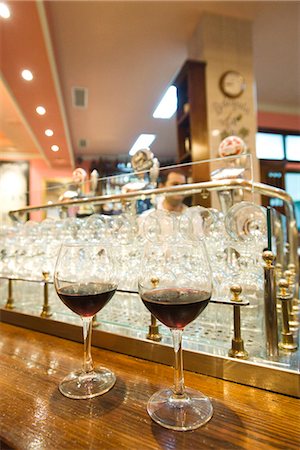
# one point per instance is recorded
(4, 11)
(54, 148)
(27, 75)
(49, 132)
(168, 104)
(143, 141)
(40, 110)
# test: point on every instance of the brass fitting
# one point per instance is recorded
(284, 289)
(236, 291)
(204, 194)
(295, 302)
(10, 299)
(154, 282)
(270, 309)
(284, 296)
(46, 308)
(268, 258)
(290, 276)
(153, 333)
(278, 271)
(237, 344)
(292, 267)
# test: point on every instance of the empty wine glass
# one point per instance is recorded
(175, 285)
(246, 221)
(159, 225)
(197, 222)
(84, 279)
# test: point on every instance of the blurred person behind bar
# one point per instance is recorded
(171, 203)
(175, 202)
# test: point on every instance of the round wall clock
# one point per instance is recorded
(232, 84)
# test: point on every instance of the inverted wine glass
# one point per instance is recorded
(246, 221)
(175, 285)
(84, 280)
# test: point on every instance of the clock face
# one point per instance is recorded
(232, 84)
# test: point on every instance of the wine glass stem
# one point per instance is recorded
(178, 389)
(87, 338)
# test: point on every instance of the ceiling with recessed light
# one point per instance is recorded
(24, 45)
(123, 55)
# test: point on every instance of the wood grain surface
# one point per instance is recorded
(34, 415)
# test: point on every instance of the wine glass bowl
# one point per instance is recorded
(197, 222)
(84, 280)
(246, 221)
(175, 286)
(159, 225)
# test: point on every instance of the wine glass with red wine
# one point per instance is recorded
(176, 285)
(85, 281)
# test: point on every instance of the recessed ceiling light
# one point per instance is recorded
(54, 148)
(4, 11)
(27, 75)
(40, 110)
(168, 104)
(49, 132)
(143, 141)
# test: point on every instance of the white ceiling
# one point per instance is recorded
(127, 53)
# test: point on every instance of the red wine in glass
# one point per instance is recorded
(85, 280)
(175, 285)
(175, 307)
(86, 299)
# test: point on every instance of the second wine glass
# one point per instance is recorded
(85, 281)
(175, 285)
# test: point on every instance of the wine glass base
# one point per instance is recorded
(81, 385)
(180, 414)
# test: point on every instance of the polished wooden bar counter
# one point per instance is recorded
(34, 415)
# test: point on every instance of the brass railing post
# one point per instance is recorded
(46, 308)
(237, 344)
(153, 333)
(284, 296)
(271, 327)
(290, 277)
(10, 299)
(296, 301)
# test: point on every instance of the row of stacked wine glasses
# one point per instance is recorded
(27, 250)
(234, 242)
